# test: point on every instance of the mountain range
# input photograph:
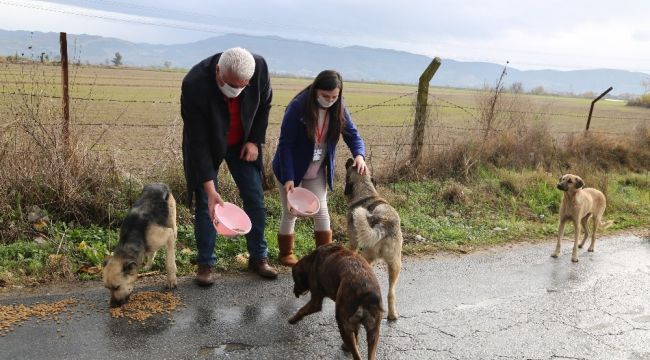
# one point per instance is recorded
(302, 58)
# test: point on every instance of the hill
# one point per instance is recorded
(301, 58)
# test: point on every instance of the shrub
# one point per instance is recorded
(643, 100)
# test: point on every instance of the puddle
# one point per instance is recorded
(223, 349)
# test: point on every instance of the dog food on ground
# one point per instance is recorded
(11, 315)
(143, 305)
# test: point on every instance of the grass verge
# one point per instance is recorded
(496, 207)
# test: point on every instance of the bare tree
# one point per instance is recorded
(488, 108)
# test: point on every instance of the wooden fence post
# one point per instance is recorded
(65, 131)
(421, 111)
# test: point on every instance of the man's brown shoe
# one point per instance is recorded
(262, 268)
(204, 275)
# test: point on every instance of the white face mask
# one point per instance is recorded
(230, 91)
(324, 103)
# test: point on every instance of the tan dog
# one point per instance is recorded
(579, 204)
(340, 274)
(149, 225)
(374, 226)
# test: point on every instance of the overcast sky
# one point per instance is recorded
(548, 34)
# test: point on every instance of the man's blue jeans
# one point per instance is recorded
(248, 179)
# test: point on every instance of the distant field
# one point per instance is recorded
(137, 110)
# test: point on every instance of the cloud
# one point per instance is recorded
(640, 35)
(543, 34)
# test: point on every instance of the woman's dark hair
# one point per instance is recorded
(326, 80)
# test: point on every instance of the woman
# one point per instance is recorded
(313, 123)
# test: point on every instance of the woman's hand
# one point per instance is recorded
(288, 186)
(360, 163)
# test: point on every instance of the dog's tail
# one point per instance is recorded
(366, 235)
(368, 303)
(606, 224)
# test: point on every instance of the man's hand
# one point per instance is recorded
(213, 198)
(249, 152)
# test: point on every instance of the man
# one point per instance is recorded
(225, 104)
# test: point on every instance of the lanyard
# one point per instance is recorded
(319, 132)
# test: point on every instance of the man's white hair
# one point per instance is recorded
(239, 62)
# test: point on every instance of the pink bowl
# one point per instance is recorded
(230, 220)
(303, 202)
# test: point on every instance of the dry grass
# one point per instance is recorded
(512, 139)
(106, 166)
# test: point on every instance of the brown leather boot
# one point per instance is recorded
(262, 268)
(323, 237)
(204, 275)
(285, 244)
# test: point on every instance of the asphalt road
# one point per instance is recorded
(513, 302)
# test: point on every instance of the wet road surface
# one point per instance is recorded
(513, 302)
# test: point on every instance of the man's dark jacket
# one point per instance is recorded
(206, 119)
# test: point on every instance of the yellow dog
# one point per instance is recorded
(579, 204)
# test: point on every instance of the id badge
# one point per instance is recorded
(318, 154)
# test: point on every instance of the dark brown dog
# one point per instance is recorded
(337, 273)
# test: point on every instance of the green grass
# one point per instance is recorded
(499, 206)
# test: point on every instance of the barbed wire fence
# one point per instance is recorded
(133, 138)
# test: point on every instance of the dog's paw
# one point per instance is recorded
(590, 249)
(294, 319)
(392, 316)
(172, 282)
(555, 255)
(574, 260)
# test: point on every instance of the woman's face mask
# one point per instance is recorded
(324, 103)
(327, 98)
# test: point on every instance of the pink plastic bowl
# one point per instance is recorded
(230, 220)
(303, 202)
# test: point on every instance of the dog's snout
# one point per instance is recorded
(562, 186)
(115, 302)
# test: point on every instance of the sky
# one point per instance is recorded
(549, 34)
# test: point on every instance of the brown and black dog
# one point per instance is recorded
(374, 228)
(579, 204)
(340, 274)
(149, 225)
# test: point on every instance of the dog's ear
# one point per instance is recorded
(348, 189)
(579, 183)
(349, 163)
(130, 267)
(105, 262)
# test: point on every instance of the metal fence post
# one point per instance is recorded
(591, 109)
(65, 131)
(421, 111)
